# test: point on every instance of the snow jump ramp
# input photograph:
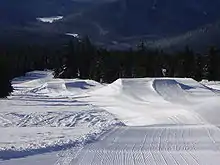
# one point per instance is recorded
(149, 101)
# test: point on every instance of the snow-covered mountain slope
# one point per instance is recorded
(131, 121)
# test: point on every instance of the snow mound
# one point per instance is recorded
(156, 89)
(150, 101)
(181, 90)
(171, 90)
(43, 83)
(138, 90)
(60, 87)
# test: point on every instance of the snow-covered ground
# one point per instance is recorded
(131, 121)
(42, 115)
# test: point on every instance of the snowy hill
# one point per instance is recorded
(144, 121)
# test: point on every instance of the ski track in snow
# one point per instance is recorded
(41, 116)
(154, 145)
(155, 121)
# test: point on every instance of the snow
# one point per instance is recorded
(150, 101)
(212, 84)
(50, 19)
(130, 121)
(73, 35)
(163, 145)
(42, 115)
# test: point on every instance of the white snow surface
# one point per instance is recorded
(50, 19)
(42, 115)
(212, 84)
(73, 35)
(150, 101)
(131, 121)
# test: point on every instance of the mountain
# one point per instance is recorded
(149, 17)
(18, 12)
(199, 39)
(116, 22)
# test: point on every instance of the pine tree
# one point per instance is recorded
(198, 67)
(212, 63)
(5, 84)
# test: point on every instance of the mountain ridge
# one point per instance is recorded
(127, 21)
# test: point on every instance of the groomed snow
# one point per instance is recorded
(131, 121)
(42, 115)
(150, 101)
(156, 145)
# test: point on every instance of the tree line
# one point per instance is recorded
(81, 59)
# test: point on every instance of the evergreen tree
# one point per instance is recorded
(81, 59)
(198, 67)
(5, 84)
(212, 64)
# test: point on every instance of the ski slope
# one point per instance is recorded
(150, 101)
(42, 116)
(131, 121)
(164, 145)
